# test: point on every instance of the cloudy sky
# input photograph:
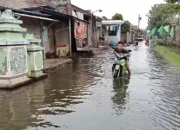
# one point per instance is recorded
(128, 8)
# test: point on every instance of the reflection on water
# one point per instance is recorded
(120, 95)
(84, 96)
(17, 107)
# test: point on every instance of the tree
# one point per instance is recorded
(160, 14)
(125, 27)
(104, 17)
(117, 16)
(171, 1)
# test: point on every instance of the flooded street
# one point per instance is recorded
(84, 96)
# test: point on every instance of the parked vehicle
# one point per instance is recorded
(135, 43)
(139, 38)
(120, 69)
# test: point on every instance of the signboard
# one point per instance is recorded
(80, 32)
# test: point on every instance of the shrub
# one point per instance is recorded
(160, 42)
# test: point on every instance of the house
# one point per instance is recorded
(43, 25)
(65, 30)
(133, 32)
(56, 23)
(94, 28)
(98, 29)
(112, 30)
(51, 28)
(82, 43)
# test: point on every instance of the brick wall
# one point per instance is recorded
(17, 4)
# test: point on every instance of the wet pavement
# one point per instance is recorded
(84, 96)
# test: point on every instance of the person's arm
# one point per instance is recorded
(114, 48)
(126, 52)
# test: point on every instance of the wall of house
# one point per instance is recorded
(63, 6)
(62, 32)
(48, 37)
(98, 33)
(99, 28)
(90, 33)
(32, 25)
(128, 37)
(17, 4)
(105, 33)
(124, 37)
(132, 36)
(117, 37)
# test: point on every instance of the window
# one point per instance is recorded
(112, 33)
(113, 30)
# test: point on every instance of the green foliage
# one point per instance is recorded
(170, 56)
(160, 42)
(125, 27)
(160, 14)
(105, 18)
(117, 16)
(171, 1)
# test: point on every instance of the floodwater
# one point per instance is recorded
(84, 96)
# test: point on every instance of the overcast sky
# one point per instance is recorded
(128, 8)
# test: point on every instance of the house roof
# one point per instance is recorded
(85, 12)
(36, 17)
(43, 11)
(112, 22)
(37, 7)
(30, 14)
(25, 12)
(58, 14)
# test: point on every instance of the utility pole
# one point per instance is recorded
(139, 19)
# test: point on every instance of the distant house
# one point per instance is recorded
(112, 30)
(133, 32)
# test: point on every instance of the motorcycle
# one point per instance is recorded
(136, 44)
(119, 68)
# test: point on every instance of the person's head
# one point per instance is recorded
(120, 45)
(136, 44)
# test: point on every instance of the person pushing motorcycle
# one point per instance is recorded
(120, 49)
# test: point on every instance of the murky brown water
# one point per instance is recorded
(84, 96)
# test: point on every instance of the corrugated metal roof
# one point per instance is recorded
(36, 17)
